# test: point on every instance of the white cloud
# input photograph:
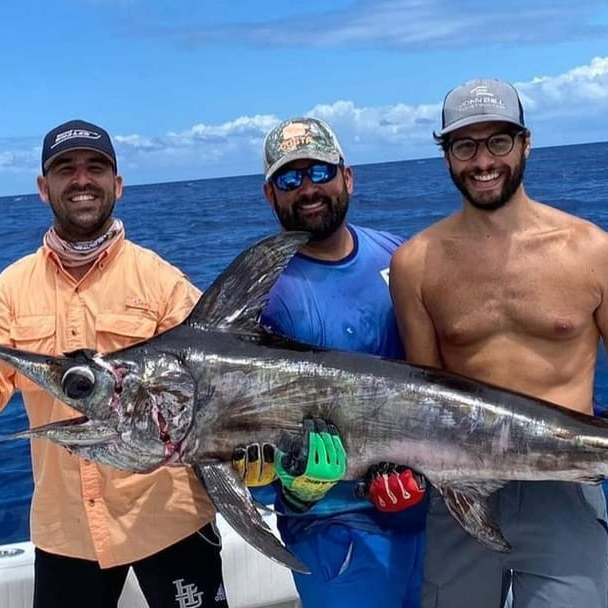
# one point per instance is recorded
(565, 108)
(389, 132)
(579, 97)
(587, 83)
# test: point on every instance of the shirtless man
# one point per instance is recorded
(510, 291)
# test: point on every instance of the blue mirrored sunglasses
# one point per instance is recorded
(291, 179)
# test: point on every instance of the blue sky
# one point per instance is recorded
(188, 88)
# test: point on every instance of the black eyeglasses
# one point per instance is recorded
(499, 144)
(291, 179)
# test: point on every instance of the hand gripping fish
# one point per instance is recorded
(218, 380)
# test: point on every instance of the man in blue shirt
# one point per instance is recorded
(334, 293)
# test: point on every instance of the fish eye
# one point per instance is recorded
(78, 382)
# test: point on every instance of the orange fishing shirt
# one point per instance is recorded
(80, 508)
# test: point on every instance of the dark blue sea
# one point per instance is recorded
(201, 225)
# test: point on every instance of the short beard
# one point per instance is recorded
(514, 180)
(324, 223)
(73, 230)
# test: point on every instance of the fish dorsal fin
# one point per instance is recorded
(232, 499)
(237, 296)
(468, 504)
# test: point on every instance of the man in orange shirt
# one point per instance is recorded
(89, 287)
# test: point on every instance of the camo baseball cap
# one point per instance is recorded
(481, 100)
(300, 138)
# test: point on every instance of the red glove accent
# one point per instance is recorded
(394, 488)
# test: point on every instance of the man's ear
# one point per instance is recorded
(43, 189)
(269, 194)
(348, 178)
(527, 144)
(118, 186)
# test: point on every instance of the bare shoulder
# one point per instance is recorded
(574, 243)
(591, 242)
(414, 250)
(584, 236)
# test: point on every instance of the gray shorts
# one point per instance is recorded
(558, 535)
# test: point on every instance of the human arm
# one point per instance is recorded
(179, 298)
(7, 374)
(415, 324)
(601, 313)
(7, 386)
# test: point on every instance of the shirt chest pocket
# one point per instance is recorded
(33, 333)
(116, 330)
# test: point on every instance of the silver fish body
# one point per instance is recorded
(218, 380)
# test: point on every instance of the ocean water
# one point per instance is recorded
(201, 225)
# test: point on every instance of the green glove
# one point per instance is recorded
(310, 464)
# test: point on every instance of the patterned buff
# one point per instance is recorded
(81, 253)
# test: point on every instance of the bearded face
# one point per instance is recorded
(494, 165)
(510, 178)
(318, 208)
(318, 213)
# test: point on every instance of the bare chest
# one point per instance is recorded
(478, 292)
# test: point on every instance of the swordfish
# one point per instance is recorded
(189, 396)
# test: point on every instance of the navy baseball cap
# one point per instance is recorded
(481, 100)
(76, 135)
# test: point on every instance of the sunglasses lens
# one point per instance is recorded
(288, 180)
(322, 173)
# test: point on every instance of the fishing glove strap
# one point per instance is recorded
(393, 487)
(311, 463)
(255, 464)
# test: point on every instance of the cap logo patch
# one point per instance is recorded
(75, 134)
(293, 136)
(481, 97)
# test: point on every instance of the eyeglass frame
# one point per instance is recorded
(305, 172)
(513, 134)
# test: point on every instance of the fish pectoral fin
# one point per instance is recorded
(232, 499)
(469, 506)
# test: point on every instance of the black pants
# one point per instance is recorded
(188, 574)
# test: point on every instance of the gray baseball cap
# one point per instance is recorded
(300, 138)
(481, 100)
